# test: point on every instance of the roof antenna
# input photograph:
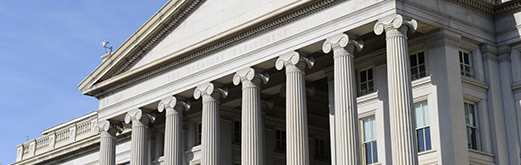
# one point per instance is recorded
(108, 49)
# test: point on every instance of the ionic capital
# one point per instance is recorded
(339, 42)
(248, 74)
(395, 23)
(173, 105)
(109, 126)
(207, 89)
(293, 58)
(139, 115)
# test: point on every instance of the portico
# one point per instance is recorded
(338, 90)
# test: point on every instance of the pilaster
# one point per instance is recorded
(495, 104)
(329, 72)
(346, 111)
(383, 124)
(404, 145)
(511, 122)
(297, 150)
(447, 100)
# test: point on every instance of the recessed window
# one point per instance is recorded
(280, 140)
(199, 133)
(465, 60)
(472, 126)
(417, 65)
(237, 132)
(369, 146)
(320, 148)
(365, 81)
(423, 131)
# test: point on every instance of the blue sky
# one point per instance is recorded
(46, 49)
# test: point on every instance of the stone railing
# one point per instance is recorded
(56, 139)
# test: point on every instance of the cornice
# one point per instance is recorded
(488, 8)
(127, 79)
(477, 6)
(138, 39)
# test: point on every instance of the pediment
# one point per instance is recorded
(177, 30)
(147, 37)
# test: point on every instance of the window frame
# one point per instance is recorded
(418, 65)
(198, 133)
(359, 80)
(461, 55)
(364, 148)
(283, 148)
(237, 140)
(317, 148)
(476, 125)
(423, 127)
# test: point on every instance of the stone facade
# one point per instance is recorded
(292, 82)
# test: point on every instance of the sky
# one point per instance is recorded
(46, 49)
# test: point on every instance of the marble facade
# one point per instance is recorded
(292, 82)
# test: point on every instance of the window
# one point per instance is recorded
(366, 84)
(417, 65)
(281, 140)
(465, 60)
(320, 148)
(237, 132)
(472, 128)
(199, 132)
(423, 131)
(369, 145)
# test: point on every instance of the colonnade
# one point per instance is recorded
(344, 115)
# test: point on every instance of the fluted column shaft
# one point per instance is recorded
(403, 139)
(138, 151)
(296, 116)
(139, 140)
(297, 150)
(346, 125)
(252, 138)
(173, 138)
(210, 129)
(173, 148)
(108, 148)
(211, 125)
(346, 114)
(252, 148)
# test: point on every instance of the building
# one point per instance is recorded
(304, 82)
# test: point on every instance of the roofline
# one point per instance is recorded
(148, 27)
(67, 123)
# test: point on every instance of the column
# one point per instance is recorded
(139, 120)
(107, 154)
(331, 99)
(403, 139)
(173, 128)
(210, 121)
(297, 150)
(347, 132)
(252, 143)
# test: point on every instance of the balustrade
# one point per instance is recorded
(58, 138)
